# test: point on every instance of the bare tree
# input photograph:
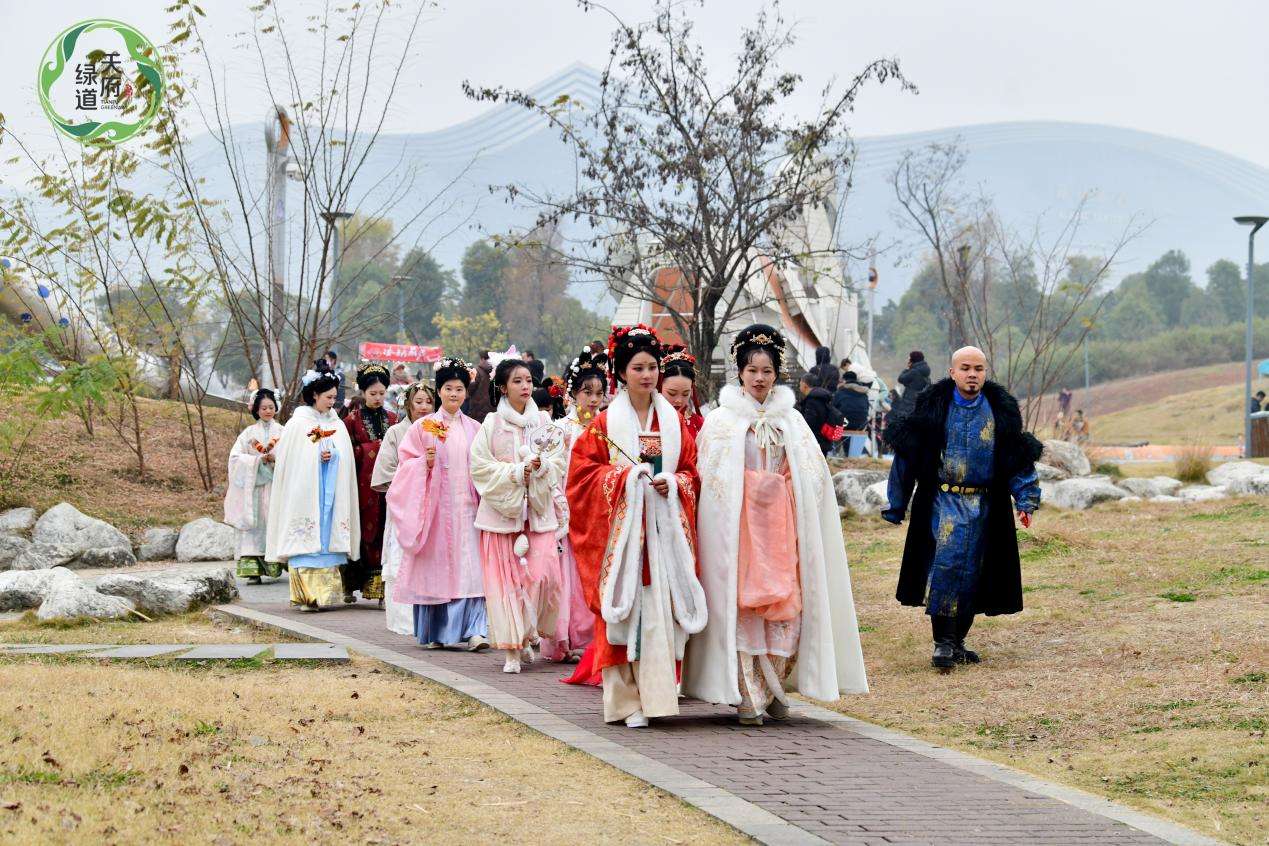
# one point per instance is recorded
(1027, 298)
(700, 176)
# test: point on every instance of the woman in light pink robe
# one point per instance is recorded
(433, 506)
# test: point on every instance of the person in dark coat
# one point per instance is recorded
(851, 400)
(964, 451)
(814, 407)
(914, 379)
(479, 398)
(824, 374)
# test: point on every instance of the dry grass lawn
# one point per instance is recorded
(1209, 415)
(195, 627)
(253, 752)
(1138, 669)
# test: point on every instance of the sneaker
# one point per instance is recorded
(477, 644)
(777, 710)
(512, 664)
(637, 720)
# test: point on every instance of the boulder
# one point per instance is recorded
(1081, 494)
(1241, 477)
(64, 524)
(158, 544)
(11, 546)
(1049, 473)
(22, 589)
(66, 601)
(42, 556)
(1067, 457)
(1167, 499)
(1201, 493)
(17, 520)
(1151, 488)
(875, 498)
(93, 559)
(172, 591)
(206, 540)
(850, 486)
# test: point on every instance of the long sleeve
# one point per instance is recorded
(1025, 488)
(596, 487)
(499, 483)
(899, 489)
(545, 481)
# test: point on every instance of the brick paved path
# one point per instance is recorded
(826, 778)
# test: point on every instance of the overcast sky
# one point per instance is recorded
(1198, 71)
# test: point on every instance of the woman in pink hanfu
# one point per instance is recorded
(586, 382)
(433, 505)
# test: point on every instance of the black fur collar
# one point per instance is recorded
(929, 416)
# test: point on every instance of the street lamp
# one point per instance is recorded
(399, 281)
(1255, 222)
(332, 219)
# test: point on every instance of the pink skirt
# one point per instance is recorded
(767, 565)
(575, 625)
(522, 600)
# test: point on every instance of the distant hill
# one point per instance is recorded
(1189, 191)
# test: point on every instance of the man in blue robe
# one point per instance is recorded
(965, 464)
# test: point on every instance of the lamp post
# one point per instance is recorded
(1255, 222)
(333, 220)
(399, 281)
(872, 307)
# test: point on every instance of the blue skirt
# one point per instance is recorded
(456, 621)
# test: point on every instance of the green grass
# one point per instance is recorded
(1237, 512)
(1177, 596)
(1250, 678)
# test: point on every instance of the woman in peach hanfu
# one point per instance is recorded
(433, 505)
(632, 489)
(517, 462)
(773, 561)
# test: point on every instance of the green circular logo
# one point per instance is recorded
(100, 82)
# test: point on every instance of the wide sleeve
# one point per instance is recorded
(499, 483)
(1025, 488)
(545, 481)
(413, 495)
(899, 488)
(244, 466)
(689, 484)
(596, 489)
(386, 461)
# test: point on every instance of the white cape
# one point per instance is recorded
(294, 514)
(829, 661)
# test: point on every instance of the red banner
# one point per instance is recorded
(399, 352)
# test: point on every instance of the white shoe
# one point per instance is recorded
(512, 664)
(527, 655)
(477, 644)
(637, 720)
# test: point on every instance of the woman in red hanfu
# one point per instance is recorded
(632, 491)
(678, 385)
(367, 423)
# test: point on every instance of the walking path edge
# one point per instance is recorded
(745, 816)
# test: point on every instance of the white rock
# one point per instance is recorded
(11, 546)
(1201, 493)
(172, 591)
(67, 602)
(850, 486)
(875, 498)
(158, 544)
(1081, 494)
(1167, 499)
(1241, 477)
(17, 520)
(64, 524)
(21, 589)
(94, 559)
(42, 556)
(1132, 498)
(206, 540)
(1151, 488)
(1067, 457)
(1049, 473)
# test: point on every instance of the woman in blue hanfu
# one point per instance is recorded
(313, 519)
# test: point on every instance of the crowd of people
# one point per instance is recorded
(601, 518)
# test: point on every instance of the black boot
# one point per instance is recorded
(960, 653)
(944, 642)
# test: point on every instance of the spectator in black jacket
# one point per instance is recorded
(824, 374)
(814, 406)
(851, 400)
(915, 379)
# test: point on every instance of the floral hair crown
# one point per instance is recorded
(627, 335)
(761, 340)
(369, 368)
(676, 352)
(452, 361)
(309, 378)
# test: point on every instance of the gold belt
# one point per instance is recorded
(961, 489)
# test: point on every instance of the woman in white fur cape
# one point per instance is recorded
(772, 557)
